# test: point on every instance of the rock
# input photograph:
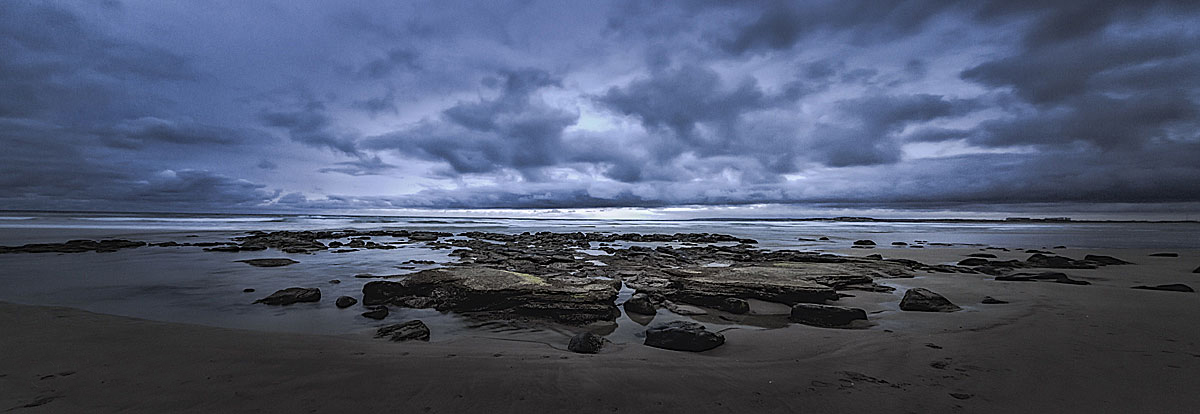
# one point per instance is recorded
(826, 315)
(983, 255)
(1164, 254)
(823, 238)
(1197, 270)
(413, 330)
(564, 299)
(1057, 262)
(873, 257)
(1056, 277)
(683, 336)
(988, 300)
(899, 244)
(1105, 260)
(335, 281)
(586, 343)
(376, 312)
(292, 295)
(864, 243)
(640, 304)
(974, 261)
(247, 290)
(1174, 287)
(1032, 251)
(925, 300)
(345, 302)
(269, 262)
(75, 246)
(789, 285)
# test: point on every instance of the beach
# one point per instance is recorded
(1054, 347)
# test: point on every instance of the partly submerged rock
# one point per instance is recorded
(925, 300)
(1197, 270)
(74, 246)
(988, 300)
(586, 343)
(683, 336)
(1164, 254)
(826, 315)
(982, 255)
(640, 304)
(345, 302)
(864, 243)
(413, 330)
(1057, 262)
(292, 295)
(1174, 287)
(376, 312)
(1105, 260)
(269, 262)
(1056, 277)
(570, 300)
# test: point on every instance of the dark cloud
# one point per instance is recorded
(365, 166)
(310, 125)
(395, 59)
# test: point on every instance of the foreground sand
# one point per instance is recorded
(1055, 348)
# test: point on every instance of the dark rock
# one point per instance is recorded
(1057, 262)
(1164, 254)
(640, 304)
(1032, 251)
(268, 262)
(74, 246)
(247, 290)
(823, 238)
(1105, 260)
(334, 281)
(925, 300)
(292, 295)
(899, 244)
(961, 395)
(683, 336)
(988, 300)
(335, 244)
(710, 286)
(974, 261)
(1056, 277)
(1174, 287)
(564, 299)
(586, 343)
(983, 255)
(376, 312)
(413, 330)
(345, 302)
(826, 315)
(873, 257)
(1197, 270)
(864, 243)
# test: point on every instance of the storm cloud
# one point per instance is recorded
(314, 106)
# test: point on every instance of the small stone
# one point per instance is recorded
(988, 300)
(247, 290)
(376, 312)
(345, 302)
(586, 343)
(334, 281)
(961, 396)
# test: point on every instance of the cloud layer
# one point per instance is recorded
(921, 105)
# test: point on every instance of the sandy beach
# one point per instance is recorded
(1102, 347)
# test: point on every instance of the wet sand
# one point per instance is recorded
(1055, 348)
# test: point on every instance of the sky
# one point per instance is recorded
(711, 108)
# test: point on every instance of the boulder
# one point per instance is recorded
(413, 330)
(640, 304)
(345, 302)
(376, 312)
(501, 293)
(925, 300)
(269, 262)
(1056, 277)
(292, 295)
(988, 300)
(586, 343)
(1174, 287)
(683, 336)
(826, 315)
(864, 243)
(1105, 260)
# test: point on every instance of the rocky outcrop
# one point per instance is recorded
(1056, 277)
(1057, 262)
(292, 295)
(413, 330)
(345, 302)
(570, 300)
(586, 343)
(827, 316)
(925, 300)
(74, 246)
(1174, 287)
(683, 336)
(269, 262)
